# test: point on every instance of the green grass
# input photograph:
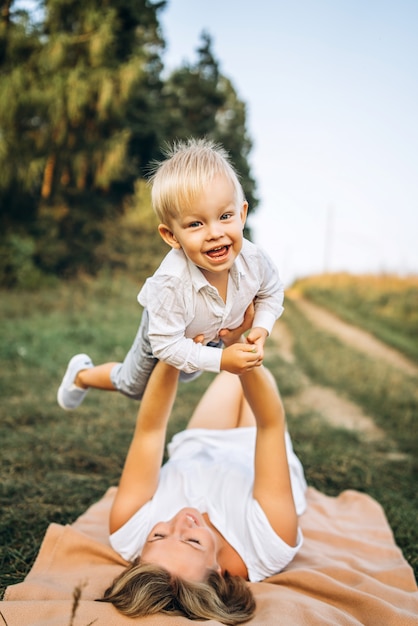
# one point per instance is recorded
(336, 460)
(386, 306)
(55, 464)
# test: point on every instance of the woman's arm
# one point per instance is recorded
(272, 486)
(141, 471)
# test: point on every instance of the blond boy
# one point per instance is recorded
(203, 286)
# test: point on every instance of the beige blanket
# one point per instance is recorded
(349, 571)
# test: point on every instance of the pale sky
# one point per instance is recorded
(331, 88)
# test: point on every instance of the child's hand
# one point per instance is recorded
(257, 337)
(231, 336)
(240, 358)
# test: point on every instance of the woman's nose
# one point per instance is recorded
(184, 523)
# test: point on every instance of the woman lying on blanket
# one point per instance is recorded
(229, 497)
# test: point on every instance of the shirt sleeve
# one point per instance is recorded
(269, 301)
(129, 539)
(267, 553)
(170, 312)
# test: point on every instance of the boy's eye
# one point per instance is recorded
(226, 216)
(158, 535)
(194, 541)
(194, 224)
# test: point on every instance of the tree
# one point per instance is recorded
(19, 45)
(105, 56)
(90, 98)
(19, 157)
(231, 131)
(203, 102)
(83, 110)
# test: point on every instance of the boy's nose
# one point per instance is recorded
(215, 230)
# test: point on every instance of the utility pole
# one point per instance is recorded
(328, 240)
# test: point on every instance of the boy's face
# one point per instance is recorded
(210, 231)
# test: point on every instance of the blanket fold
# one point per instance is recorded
(349, 572)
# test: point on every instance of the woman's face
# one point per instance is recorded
(184, 545)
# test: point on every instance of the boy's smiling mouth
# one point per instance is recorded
(218, 253)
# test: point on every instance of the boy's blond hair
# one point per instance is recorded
(188, 168)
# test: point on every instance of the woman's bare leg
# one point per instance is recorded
(246, 417)
(222, 405)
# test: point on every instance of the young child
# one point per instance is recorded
(203, 286)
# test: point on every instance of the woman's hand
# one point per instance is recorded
(235, 335)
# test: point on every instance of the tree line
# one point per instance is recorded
(85, 106)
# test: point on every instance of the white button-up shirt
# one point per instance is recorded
(213, 471)
(182, 304)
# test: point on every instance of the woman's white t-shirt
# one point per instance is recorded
(213, 471)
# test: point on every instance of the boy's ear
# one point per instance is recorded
(168, 236)
(244, 211)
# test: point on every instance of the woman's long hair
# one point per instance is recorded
(145, 589)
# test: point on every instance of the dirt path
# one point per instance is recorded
(336, 410)
(353, 336)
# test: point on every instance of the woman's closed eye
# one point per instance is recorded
(163, 536)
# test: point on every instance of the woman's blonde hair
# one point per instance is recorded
(145, 589)
(189, 166)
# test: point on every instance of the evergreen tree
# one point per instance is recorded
(95, 84)
(231, 131)
(202, 102)
(102, 65)
(19, 156)
(19, 45)
(83, 110)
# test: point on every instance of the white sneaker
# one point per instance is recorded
(70, 396)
